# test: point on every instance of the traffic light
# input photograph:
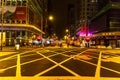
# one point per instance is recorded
(39, 38)
(83, 30)
(87, 38)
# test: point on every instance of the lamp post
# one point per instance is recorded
(51, 25)
(67, 33)
(2, 24)
(41, 25)
(66, 30)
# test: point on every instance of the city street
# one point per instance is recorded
(61, 64)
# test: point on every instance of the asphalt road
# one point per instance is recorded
(69, 62)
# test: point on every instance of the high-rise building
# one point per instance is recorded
(73, 15)
(88, 8)
(21, 19)
(105, 24)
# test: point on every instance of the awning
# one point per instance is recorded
(23, 25)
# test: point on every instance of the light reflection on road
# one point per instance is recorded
(85, 57)
(111, 58)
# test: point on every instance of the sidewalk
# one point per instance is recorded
(11, 50)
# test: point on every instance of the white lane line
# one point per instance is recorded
(18, 70)
(97, 73)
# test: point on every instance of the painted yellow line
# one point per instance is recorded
(18, 70)
(37, 75)
(56, 78)
(14, 56)
(2, 70)
(6, 53)
(97, 73)
(57, 64)
(36, 60)
(110, 69)
(27, 55)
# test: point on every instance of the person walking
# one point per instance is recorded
(68, 42)
(43, 42)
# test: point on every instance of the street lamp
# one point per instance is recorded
(50, 18)
(66, 30)
(51, 24)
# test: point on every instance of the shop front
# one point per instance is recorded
(107, 39)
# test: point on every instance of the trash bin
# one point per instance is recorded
(17, 46)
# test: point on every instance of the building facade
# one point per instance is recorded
(100, 18)
(21, 19)
(88, 8)
(105, 26)
(73, 16)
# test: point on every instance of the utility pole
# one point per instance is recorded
(2, 24)
(41, 25)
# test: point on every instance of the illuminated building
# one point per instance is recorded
(88, 8)
(21, 19)
(105, 25)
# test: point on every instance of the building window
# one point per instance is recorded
(18, 2)
(7, 2)
(94, 0)
(13, 2)
(24, 3)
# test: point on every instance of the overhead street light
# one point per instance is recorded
(66, 30)
(51, 18)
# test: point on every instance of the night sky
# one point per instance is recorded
(59, 12)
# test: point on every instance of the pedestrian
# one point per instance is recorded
(68, 42)
(60, 43)
(43, 42)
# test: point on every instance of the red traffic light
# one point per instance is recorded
(87, 38)
(39, 38)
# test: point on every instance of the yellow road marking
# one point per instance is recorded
(110, 69)
(58, 64)
(52, 67)
(16, 55)
(97, 73)
(36, 60)
(8, 58)
(2, 70)
(18, 71)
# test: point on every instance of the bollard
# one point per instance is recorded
(17, 46)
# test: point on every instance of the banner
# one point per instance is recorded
(13, 13)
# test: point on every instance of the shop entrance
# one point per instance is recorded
(118, 43)
(112, 43)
